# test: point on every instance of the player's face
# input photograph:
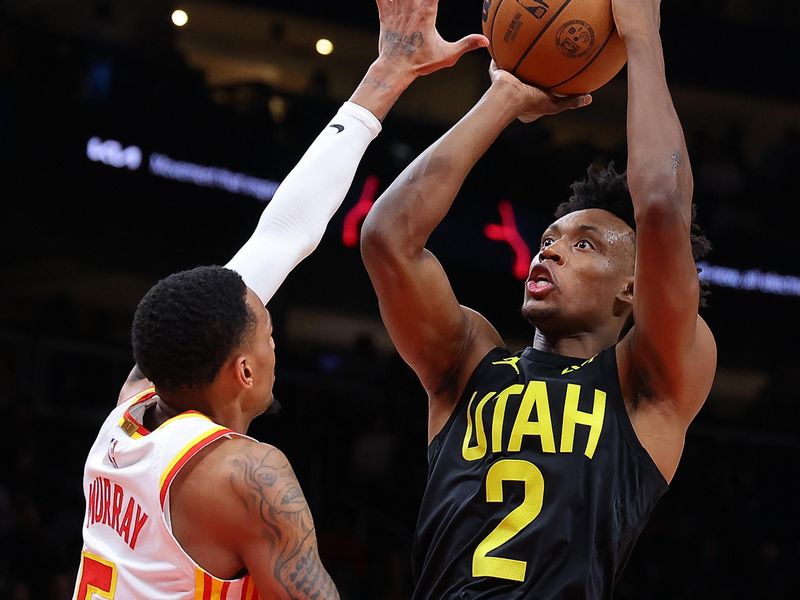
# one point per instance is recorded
(580, 274)
(262, 352)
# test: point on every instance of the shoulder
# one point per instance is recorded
(673, 384)
(235, 480)
(240, 461)
(260, 476)
(480, 340)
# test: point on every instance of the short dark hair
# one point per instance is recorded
(608, 190)
(188, 324)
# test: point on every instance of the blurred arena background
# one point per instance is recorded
(135, 141)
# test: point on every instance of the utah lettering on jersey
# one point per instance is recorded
(105, 507)
(533, 419)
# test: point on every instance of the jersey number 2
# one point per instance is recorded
(514, 522)
(98, 578)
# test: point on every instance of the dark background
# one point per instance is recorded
(81, 241)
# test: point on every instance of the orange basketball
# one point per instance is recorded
(564, 46)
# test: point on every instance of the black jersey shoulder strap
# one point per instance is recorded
(480, 371)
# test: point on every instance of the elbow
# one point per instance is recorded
(662, 212)
(376, 239)
(661, 197)
(395, 229)
(662, 186)
(373, 233)
(388, 230)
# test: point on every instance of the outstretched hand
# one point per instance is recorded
(533, 102)
(409, 39)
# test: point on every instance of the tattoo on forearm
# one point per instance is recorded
(378, 84)
(403, 44)
(274, 496)
(676, 161)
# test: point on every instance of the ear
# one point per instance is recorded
(624, 298)
(243, 372)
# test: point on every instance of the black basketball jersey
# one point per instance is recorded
(537, 485)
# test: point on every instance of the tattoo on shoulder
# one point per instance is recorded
(403, 43)
(267, 485)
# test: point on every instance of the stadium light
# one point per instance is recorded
(180, 18)
(324, 47)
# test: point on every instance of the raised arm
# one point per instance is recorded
(295, 220)
(671, 350)
(441, 340)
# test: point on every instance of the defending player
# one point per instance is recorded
(180, 503)
(544, 466)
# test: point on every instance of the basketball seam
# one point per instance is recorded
(538, 37)
(588, 64)
(494, 20)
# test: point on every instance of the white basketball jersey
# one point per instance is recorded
(129, 552)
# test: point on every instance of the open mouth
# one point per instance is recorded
(539, 286)
(540, 282)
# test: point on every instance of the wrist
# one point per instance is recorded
(644, 35)
(511, 99)
(382, 85)
(392, 73)
(645, 52)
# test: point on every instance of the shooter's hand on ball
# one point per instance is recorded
(531, 102)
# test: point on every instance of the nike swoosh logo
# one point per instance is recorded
(337, 127)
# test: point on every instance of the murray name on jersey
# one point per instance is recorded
(109, 505)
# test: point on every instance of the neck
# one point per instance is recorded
(577, 345)
(228, 415)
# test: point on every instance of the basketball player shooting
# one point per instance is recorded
(181, 504)
(545, 465)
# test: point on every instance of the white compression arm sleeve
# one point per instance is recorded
(295, 220)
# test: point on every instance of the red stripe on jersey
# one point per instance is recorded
(245, 584)
(207, 585)
(223, 594)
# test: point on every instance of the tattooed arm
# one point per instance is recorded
(277, 541)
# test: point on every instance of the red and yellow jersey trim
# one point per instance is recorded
(130, 425)
(187, 452)
(249, 591)
(208, 587)
(135, 429)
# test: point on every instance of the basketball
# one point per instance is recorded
(563, 46)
